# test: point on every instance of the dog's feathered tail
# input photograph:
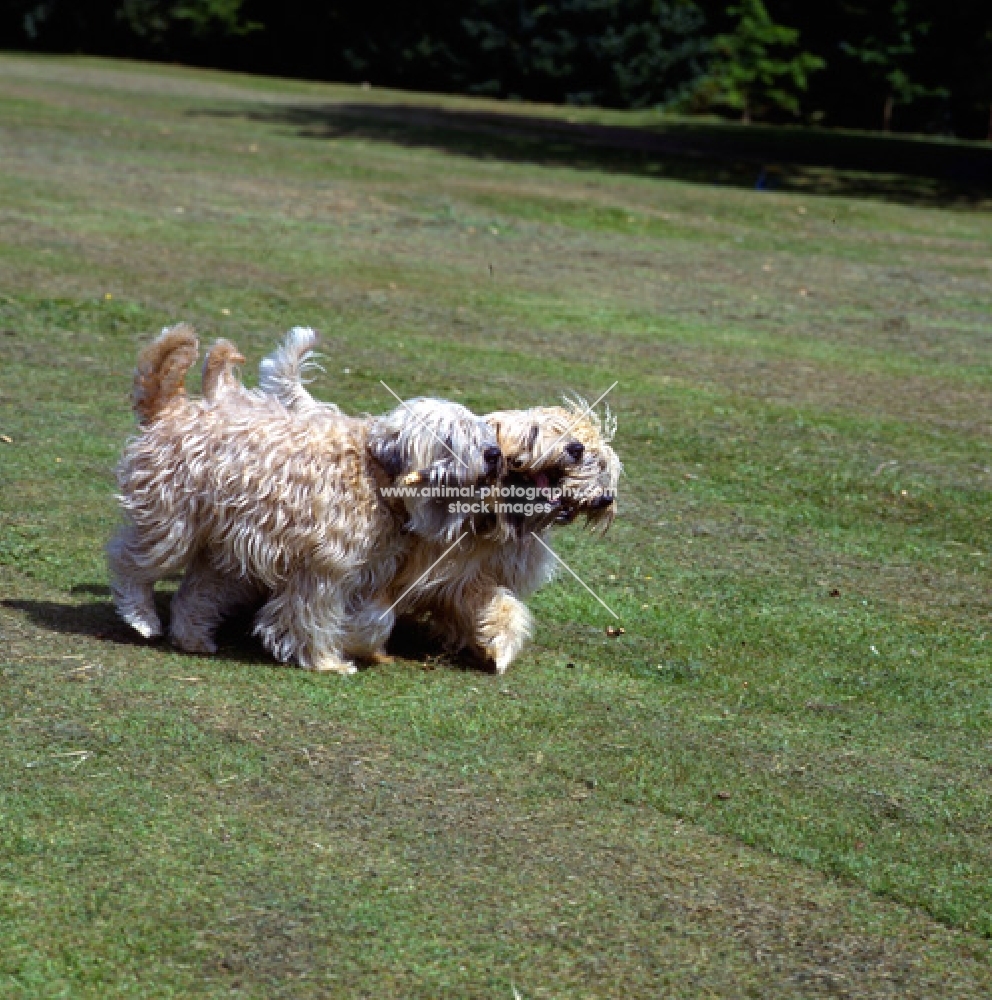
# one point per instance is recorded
(160, 375)
(219, 376)
(281, 374)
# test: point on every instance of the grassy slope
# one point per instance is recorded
(774, 784)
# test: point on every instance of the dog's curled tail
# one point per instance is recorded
(161, 372)
(281, 374)
(219, 377)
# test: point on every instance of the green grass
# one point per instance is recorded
(774, 784)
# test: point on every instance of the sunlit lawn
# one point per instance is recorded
(775, 783)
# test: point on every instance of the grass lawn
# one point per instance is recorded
(774, 784)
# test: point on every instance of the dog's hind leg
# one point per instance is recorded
(303, 622)
(132, 583)
(204, 598)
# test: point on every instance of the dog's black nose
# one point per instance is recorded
(492, 455)
(601, 502)
(576, 449)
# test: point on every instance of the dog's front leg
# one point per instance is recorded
(304, 622)
(487, 620)
(502, 627)
(368, 630)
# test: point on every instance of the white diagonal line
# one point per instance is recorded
(453, 545)
(576, 575)
(575, 423)
(310, 364)
(420, 421)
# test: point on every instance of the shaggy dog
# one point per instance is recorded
(238, 488)
(557, 460)
(560, 465)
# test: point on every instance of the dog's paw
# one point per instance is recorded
(145, 627)
(494, 656)
(331, 665)
(498, 656)
(503, 660)
(503, 630)
(202, 644)
(135, 604)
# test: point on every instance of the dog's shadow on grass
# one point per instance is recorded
(93, 619)
(95, 589)
(412, 640)
(98, 619)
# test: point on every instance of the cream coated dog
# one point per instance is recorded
(250, 499)
(558, 465)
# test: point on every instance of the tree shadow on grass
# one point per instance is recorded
(902, 169)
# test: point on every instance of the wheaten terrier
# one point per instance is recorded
(238, 487)
(558, 465)
(561, 465)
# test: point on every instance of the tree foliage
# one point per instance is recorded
(163, 28)
(625, 53)
(758, 66)
(905, 64)
(890, 54)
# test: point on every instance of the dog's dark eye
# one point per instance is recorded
(576, 449)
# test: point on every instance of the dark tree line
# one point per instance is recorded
(906, 65)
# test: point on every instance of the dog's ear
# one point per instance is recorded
(391, 453)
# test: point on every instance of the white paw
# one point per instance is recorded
(332, 665)
(145, 628)
(500, 655)
(504, 627)
(502, 662)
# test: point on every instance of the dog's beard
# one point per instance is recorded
(590, 491)
(533, 502)
(535, 448)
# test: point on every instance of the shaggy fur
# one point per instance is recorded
(244, 492)
(219, 375)
(473, 597)
(160, 374)
(281, 374)
(532, 441)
